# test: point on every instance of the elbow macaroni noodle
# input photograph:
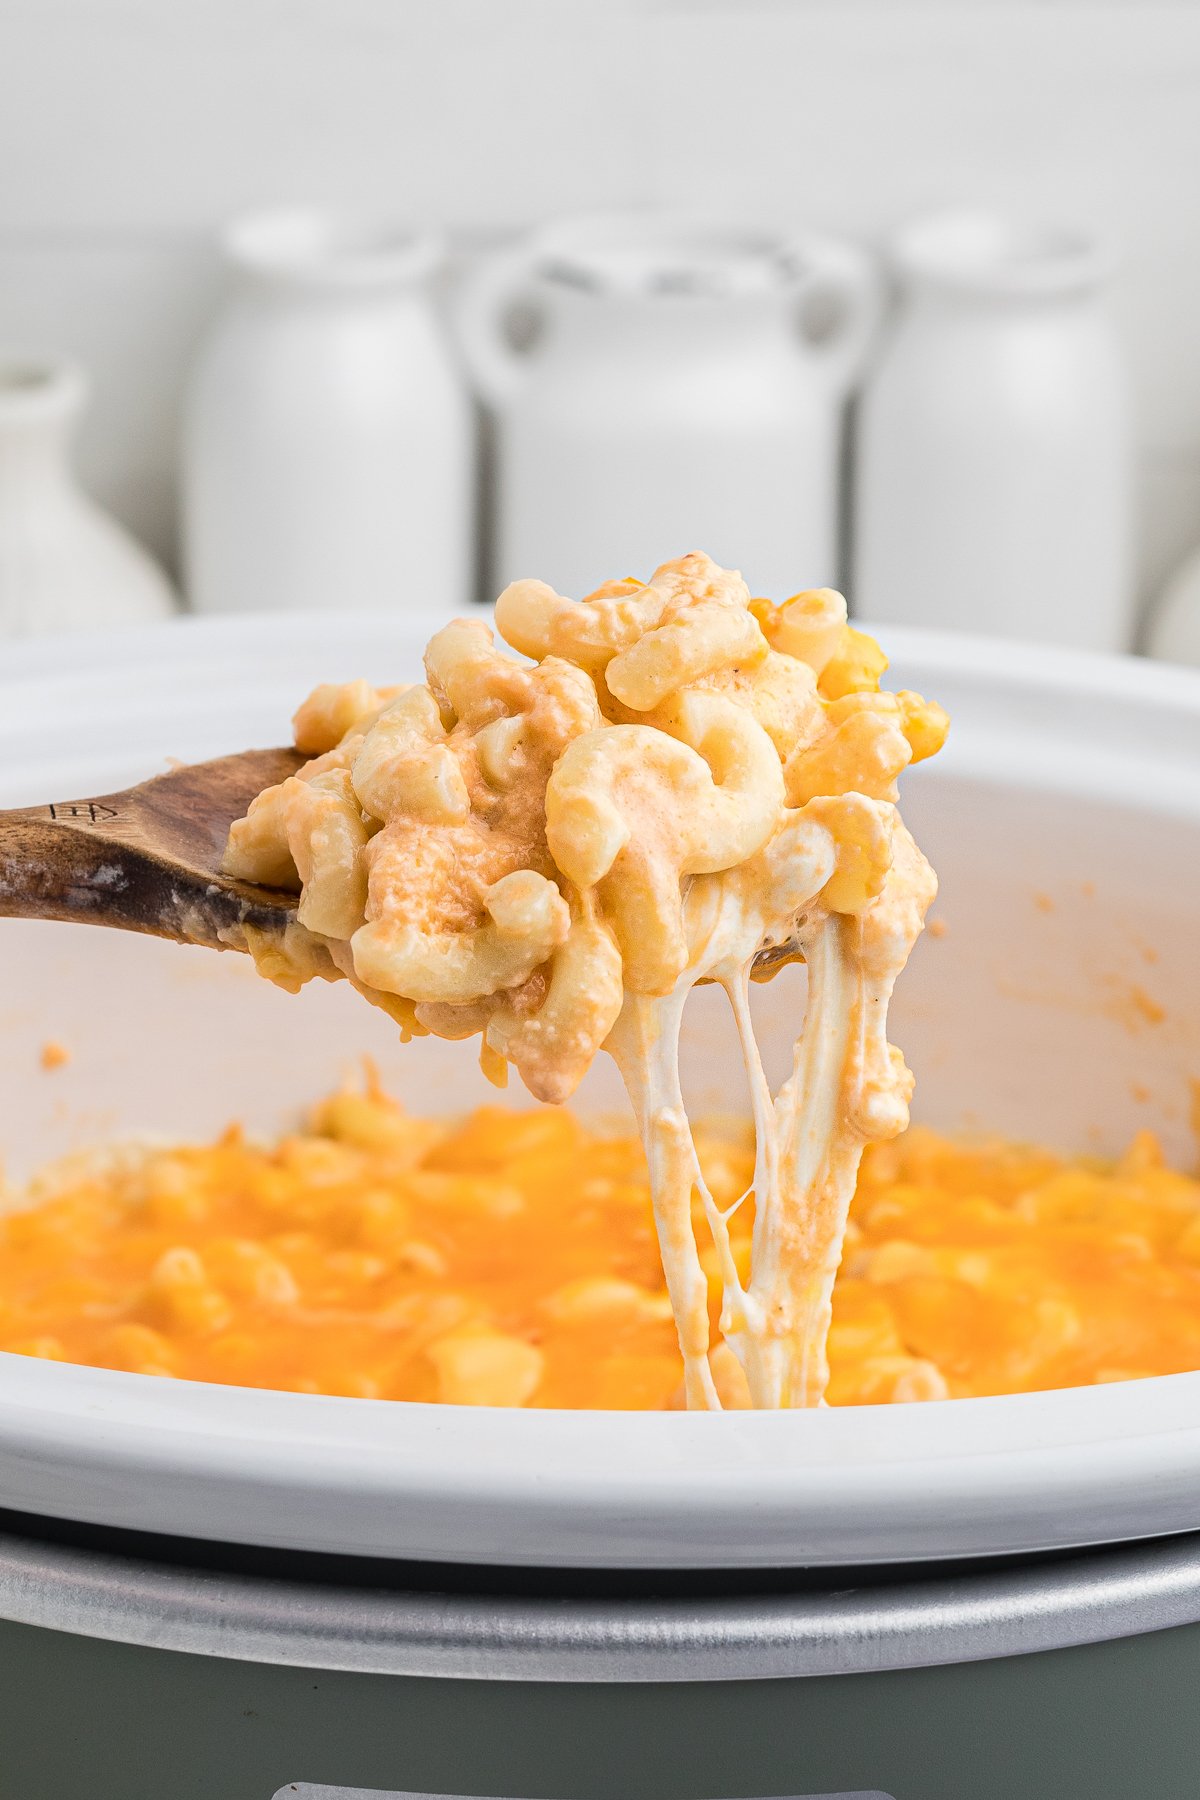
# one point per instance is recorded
(683, 784)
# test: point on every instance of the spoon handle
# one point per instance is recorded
(60, 862)
(145, 860)
(74, 868)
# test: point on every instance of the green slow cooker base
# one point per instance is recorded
(86, 1719)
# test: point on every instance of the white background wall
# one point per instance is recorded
(130, 128)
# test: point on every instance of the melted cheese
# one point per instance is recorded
(511, 1259)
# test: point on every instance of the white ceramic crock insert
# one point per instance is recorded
(1064, 818)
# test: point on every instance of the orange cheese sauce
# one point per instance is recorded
(510, 1259)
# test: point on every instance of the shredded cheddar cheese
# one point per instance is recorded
(510, 1259)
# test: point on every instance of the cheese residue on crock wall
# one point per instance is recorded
(682, 784)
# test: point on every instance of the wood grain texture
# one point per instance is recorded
(147, 859)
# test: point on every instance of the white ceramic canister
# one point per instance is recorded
(64, 564)
(328, 436)
(993, 463)
(682, 390)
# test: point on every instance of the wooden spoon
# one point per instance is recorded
(148, 859)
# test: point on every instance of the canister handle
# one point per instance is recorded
(852, 281)
(488, 294)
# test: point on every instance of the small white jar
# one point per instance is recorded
(328, 451)
(993, 463)
(64, 564)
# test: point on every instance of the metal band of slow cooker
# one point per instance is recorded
(1022, 1607)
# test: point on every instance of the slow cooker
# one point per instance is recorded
(235, 1594)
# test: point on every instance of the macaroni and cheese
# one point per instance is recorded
(682, 784)
(510, 1259)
